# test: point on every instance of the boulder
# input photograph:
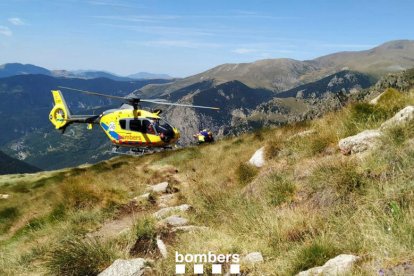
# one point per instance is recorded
(140, 199)
(339, 265)
(361, 142)
(162, 248)
(257, 159)
(159, 188)
(166, 200)
(165, 211)
(254, 257)
(174, 221)
(375, 100)
(132, 267)
(403, 116)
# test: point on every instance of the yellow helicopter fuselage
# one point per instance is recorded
(125, 127)
(137, 128)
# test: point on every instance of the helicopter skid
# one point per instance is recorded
(137, 151)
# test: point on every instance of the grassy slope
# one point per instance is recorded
(308, 204)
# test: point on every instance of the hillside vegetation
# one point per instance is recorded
(308, 204)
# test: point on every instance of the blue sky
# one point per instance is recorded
(183, 37)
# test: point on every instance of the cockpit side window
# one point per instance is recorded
(122, 123)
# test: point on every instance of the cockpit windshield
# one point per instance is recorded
(163, 128)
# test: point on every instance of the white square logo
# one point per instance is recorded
(198, 269)
(180, 269)
(216, 269)
(234, 269)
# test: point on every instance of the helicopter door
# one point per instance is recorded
(135, 125)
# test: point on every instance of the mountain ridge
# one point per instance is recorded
(284, 73)
(15, 69)
(9, 165)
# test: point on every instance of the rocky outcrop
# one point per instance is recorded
(404, 116)
(159, 188)
(189, 228)
(133, 267)
(174, 221)
(339, 265)
(368, 139)
(162, 248)
(253, 257)
(167, 210)
(166, 200)
(405, 268)
(4, 196)
(257, 159)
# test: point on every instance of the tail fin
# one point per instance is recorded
(60, 114)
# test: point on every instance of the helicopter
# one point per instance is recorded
(126, 127)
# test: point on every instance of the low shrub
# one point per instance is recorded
(76, 256)
(79, 195)
(7, 216)
(279, 189)
(344, 177)
(146, 237)
(246, 173)
(314, 254)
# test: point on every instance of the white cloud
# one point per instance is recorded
(243, 51)
(16, 21)
(5, 31)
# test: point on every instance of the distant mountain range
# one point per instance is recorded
(9, 165)
(15, 69)
(250, 95)
(283, 74)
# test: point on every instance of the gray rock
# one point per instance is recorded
(368, 139)
(401, 269)
(132, 267)
(375, 100)
(257, 159)
(189, 228)
(159, 188)
(254, 257)
(162, 248)
(166, 200)
(174, 221)
(339, 265)
(168, 210)
(140, 199)
(404, 116)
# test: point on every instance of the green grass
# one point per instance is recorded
(7, 216)
(308, 203)
(74, 256)
(314, 254)
(145, 234)
(279, 189)
(246, 173)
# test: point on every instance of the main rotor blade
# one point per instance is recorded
(185, 105)
(94, 93)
